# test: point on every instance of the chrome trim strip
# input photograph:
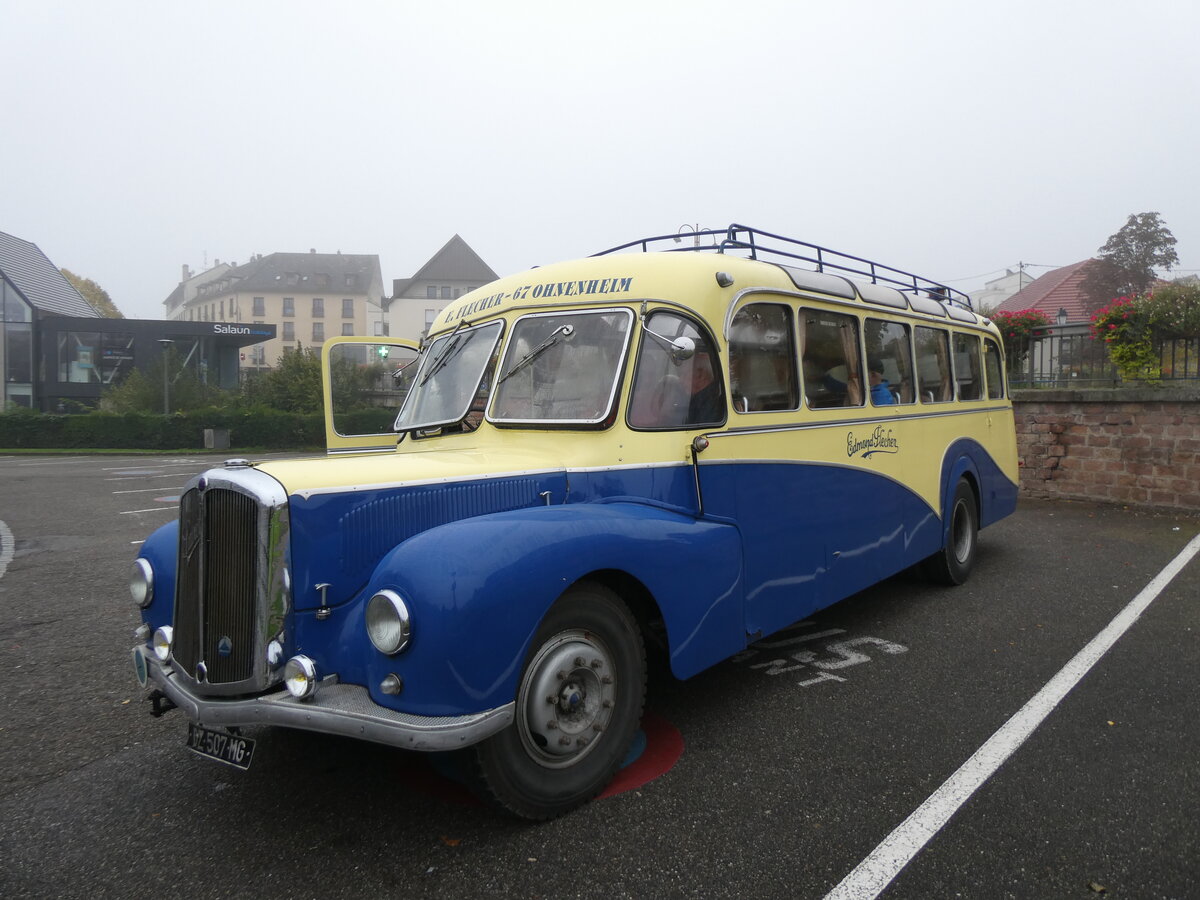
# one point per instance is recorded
(873, 420)
(341, 709)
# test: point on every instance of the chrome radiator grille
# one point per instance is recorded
(228, 602)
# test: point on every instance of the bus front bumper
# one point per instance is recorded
(343, 709)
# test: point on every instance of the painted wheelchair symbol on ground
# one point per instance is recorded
(656, 748)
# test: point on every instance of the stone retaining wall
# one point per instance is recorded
(1137, 446)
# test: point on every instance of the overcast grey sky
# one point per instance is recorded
(953, 139)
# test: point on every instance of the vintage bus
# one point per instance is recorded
(686, 448)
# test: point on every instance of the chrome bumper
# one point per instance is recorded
(345, 709)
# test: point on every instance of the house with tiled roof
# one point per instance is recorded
(1057, 290)
(451, 272)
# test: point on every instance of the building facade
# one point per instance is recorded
(451, 272)
(58, 354)
(306, 297)
(32, 291)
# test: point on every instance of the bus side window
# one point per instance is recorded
(889, 345)
(762, 359)
(968, 370)
(676, 393)
(995, 372)
(831, 357)
(934, 382)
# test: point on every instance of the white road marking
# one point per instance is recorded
(885, 862)
(143, 477)
(130, 512)
(157, 490)
(7, 547)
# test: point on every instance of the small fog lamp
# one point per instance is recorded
(300, 676)
(141, 582)
(388, 624)
(163, 638)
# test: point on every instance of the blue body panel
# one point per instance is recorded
(478, 589)
(161, 550)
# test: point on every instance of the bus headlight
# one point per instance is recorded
(163, 638)
(141, 582)
(388, 624)
(300, 676)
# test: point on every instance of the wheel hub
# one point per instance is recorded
(568, 696)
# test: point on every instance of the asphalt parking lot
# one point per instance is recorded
(827, 758)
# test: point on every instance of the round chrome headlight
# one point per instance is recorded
(388, 624)
(141, 582)
(300, 676)
(163, 638)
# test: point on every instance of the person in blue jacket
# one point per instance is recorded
(881, 391)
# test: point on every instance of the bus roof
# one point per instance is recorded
(706, 277)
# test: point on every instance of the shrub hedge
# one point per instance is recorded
(261, 429)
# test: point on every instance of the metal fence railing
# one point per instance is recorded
(1067, 356)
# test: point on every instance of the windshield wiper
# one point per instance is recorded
(565, 330)
(444, 357)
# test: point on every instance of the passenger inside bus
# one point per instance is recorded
(881, 391)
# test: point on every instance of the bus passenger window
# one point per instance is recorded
(934, 384)
(829, 351)
(995, 372)
(968, 371)
(762, 359)
(675, 393)
(889, 348)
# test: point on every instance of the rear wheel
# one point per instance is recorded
(953, 563)
(578, 705)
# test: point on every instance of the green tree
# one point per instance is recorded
(294, 385)
(1125, 267)
(94, 294)
(142, 389)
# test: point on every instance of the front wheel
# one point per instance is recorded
(953, 563)
(578, 705)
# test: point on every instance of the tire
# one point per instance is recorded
(953, 563)
(578, 705)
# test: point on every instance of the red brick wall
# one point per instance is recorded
(1131, 446)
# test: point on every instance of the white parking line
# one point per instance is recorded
(7, 547)
(172, 508)
(157, 490)
(885, 862)
(143, 477)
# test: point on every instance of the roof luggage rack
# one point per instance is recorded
(751, 240)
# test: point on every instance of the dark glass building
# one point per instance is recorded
(55, 348)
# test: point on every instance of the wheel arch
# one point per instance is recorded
(480, 588)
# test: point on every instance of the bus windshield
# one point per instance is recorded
(450, 374)
(562, 367)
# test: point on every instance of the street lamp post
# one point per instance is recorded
(694, 229)
(166, 345)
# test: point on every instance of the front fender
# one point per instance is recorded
(160, 549)
(479, 588)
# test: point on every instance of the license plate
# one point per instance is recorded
(231, 749)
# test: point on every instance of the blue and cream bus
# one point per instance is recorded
(689, 448)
